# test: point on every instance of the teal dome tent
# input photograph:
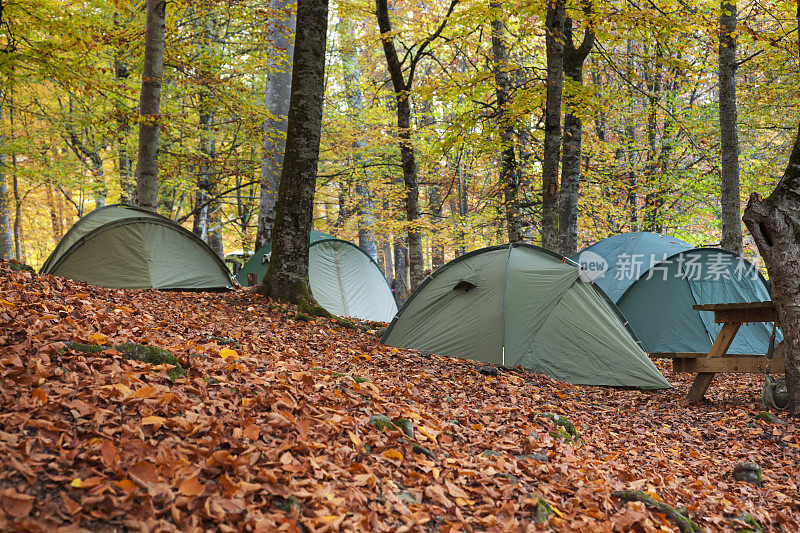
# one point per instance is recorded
(655, 280)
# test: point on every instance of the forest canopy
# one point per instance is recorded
(70, 72)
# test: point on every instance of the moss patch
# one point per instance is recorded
(152, 355)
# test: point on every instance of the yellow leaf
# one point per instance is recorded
(39, 394)
(428, 432)
(227, 352)
(354, 438)
(391, 453)
(555, 510)
(155, 421)
(124, 390)
(48, 317)
(655, 496)
(145, 392)
(80, 295)
(99, 339)
(77, 482)
(6, 303)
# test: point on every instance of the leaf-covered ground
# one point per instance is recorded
(271, 429)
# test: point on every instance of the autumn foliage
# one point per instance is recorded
(271, 429)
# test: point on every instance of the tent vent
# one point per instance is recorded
(265, 259)
(464, 285)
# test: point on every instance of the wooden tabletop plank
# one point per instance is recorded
(735, 305)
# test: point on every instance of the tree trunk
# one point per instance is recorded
(402, 84)
(554, 40)
(573, 129)
(399, 281)
(149, 104)
(6, 232)
(287, 275)
(282, 26)
(435, 202)
(774, 223)
(653, 200)
(509, 173)
(729, 136)
(122, 73)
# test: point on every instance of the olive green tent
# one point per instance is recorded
(343, 278)
(125, 247)
(523, 305)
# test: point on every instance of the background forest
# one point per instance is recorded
(642, 91)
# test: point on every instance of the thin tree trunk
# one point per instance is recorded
(282, 26)
(122, 73)
(509, 173)
(6, 231)
(399, 281)
(729, 136)
(554, 40)
(149, 104)
(774, 223)
(651, 220)
(287, 275)
(573, 129)
(403, 84)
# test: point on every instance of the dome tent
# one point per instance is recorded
(655, 281)
(343, 278)
(126, 247)
(519, 304)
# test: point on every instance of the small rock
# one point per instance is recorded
(487, 370)
(749, 472)
(535, 456)
(406, 426)
(382, 422)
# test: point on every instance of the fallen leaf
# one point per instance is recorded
(227, 352)
(155, 421)
(40, 395)
(16, 504)
(191, 487)
(391, 453)
(99, 339)
(145, 392)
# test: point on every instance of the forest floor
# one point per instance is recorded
(272, 429)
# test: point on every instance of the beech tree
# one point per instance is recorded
(287, 276)
(729, 133)
(554, 42)
(281, 24)
(149, 104)
(403, 81)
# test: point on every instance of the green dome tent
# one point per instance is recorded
(343, 278)
(523, 305)
(655, 280)
(125, 247)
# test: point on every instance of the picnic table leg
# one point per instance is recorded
(718, 349)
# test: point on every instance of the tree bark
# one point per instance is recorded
(573, 129)
(149, 104)
(282, 24)
(554, 41)
(653, 200)
(509, 173)
(287, 276)
(774, 223)
(729, 135)
(6, 231)
(122, 73)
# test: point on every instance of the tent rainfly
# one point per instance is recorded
(655, 280)
(126, 247)
(343, 278)
(519, 304)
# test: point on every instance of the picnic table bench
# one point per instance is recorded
(717, 360)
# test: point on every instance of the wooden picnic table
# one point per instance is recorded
(717, 360)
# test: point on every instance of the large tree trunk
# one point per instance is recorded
(279, 82)
(287, 275)
(774, 223)
(509, 173)
(729, 136)
(573, 129)
(149, 104)
(554, 40)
